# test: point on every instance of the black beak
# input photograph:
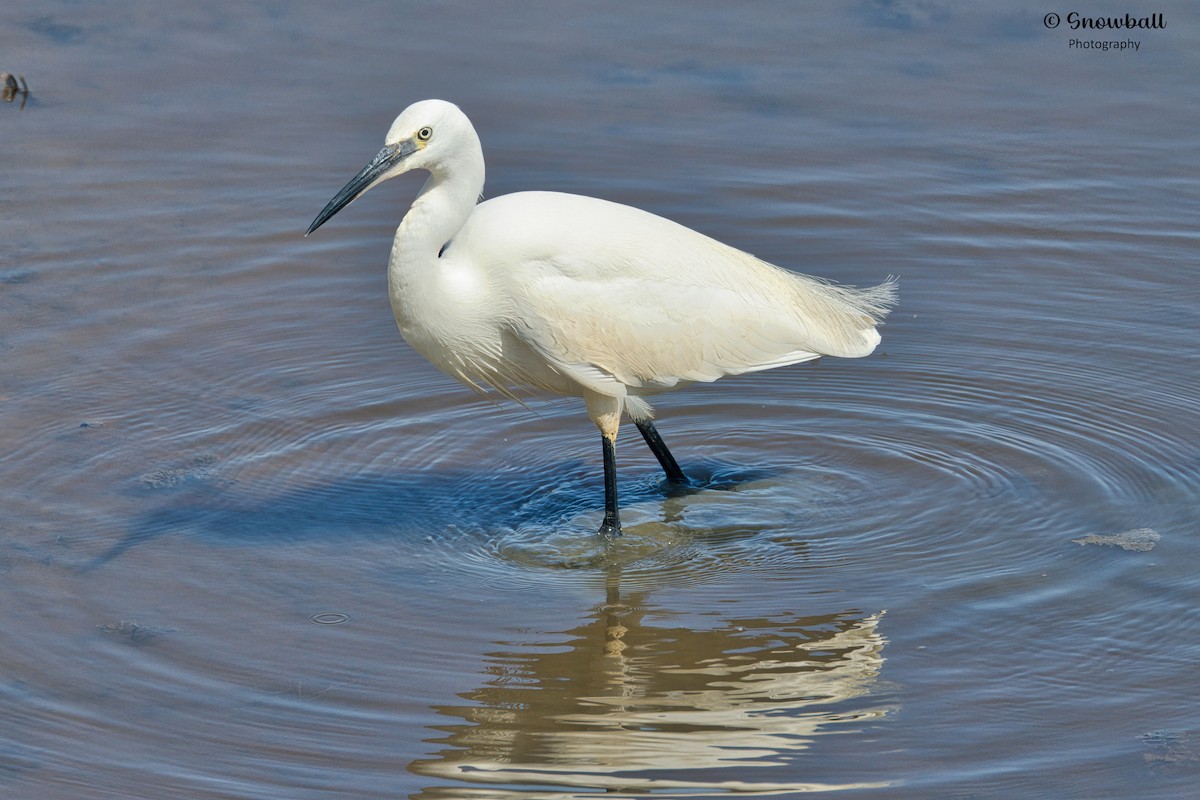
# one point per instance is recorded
(368, 176)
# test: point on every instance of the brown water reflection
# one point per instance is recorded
(632, 707)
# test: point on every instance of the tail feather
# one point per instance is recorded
(841, 319)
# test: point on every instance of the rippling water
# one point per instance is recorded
(251, 545)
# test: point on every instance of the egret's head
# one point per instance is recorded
(428, 135)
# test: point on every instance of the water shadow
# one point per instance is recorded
(404, 506)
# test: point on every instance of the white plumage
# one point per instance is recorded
(579, 296)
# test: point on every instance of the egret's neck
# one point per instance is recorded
(439, 212)
(415, 280)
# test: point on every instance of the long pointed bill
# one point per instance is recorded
(368, 176)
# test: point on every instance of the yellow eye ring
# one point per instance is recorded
(425, 134)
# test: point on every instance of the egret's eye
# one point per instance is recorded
(425, 134)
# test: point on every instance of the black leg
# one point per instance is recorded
(659, 448)
(611, 527)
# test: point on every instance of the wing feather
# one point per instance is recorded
(618, 299)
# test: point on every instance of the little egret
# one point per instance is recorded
(583, 297)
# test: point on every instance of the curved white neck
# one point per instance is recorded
(437, 215)
(440, 208)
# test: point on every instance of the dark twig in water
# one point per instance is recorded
(11, 88)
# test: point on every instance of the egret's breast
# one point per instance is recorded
(453, 314)
(441, 307)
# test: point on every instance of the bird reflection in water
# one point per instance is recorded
(630, 707)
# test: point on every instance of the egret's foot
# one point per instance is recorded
(683, 485)
(610, 528)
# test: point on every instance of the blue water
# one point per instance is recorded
(252, 545)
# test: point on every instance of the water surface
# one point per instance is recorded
(252, 545)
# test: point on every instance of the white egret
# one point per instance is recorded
(582, 297)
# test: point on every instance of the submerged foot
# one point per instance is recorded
(677, 486)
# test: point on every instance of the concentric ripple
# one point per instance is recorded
(865, 471)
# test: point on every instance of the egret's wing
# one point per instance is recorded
(611, 332)
(618, 298)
